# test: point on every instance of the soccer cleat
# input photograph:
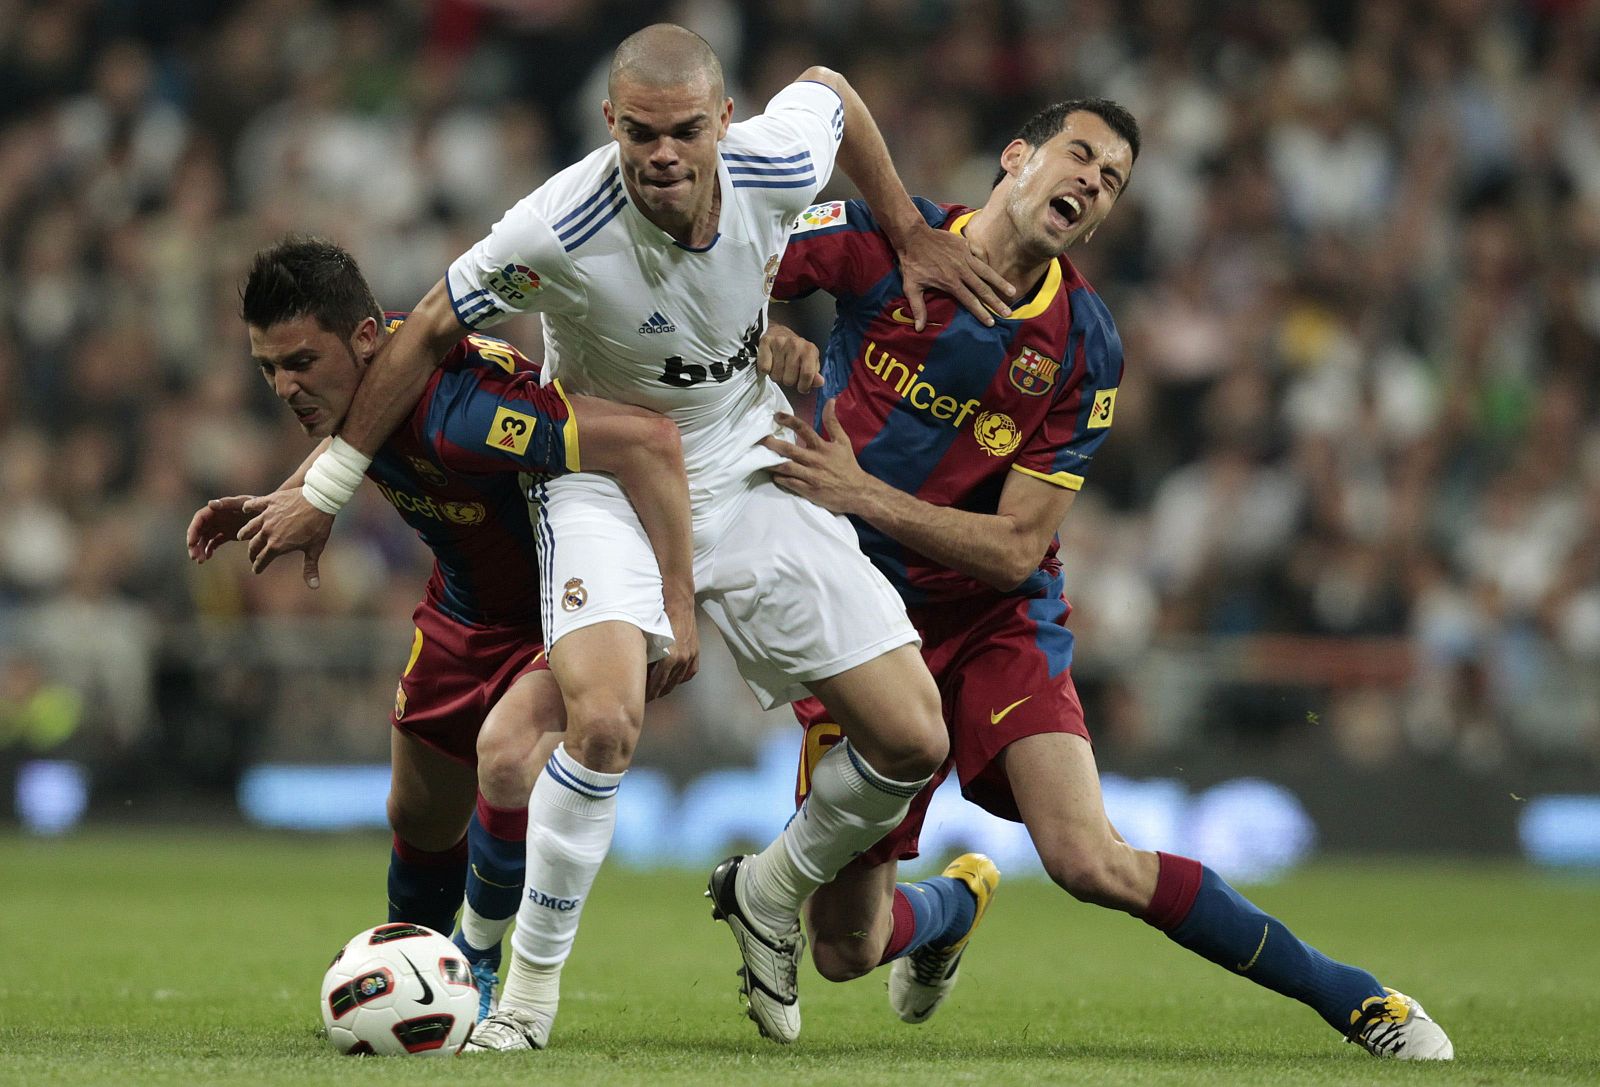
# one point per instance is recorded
(770, 973)
(919, 982)
(1396, 1026)
(508, 1029)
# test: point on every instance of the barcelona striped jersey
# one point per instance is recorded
(455, 471)
(947, 414)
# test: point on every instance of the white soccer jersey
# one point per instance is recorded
(632, 315)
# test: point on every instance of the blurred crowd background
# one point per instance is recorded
(1349, 514)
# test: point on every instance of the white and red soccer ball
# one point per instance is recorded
(399, 989)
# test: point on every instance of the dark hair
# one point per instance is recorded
(1045, 125)
(307, 276)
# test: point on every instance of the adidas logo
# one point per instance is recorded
(656, 324)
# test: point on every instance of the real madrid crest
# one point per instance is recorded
(574, 595)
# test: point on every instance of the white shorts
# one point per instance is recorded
(783, 579)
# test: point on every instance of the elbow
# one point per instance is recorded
(1010, 570)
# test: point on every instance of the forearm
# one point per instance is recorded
(661, 498)
(864, 158)
(990, 547)
(298, 476)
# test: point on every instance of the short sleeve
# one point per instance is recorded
(520, 267)
(482, 420)
(1059, 452)
(790, 148)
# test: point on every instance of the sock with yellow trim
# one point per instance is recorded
(1197, 910)
(497, 850)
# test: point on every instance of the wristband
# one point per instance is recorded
(333, 477)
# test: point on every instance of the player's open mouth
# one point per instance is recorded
(664, 183)
(1068, 208)
(305, 415)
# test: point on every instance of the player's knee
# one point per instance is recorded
(505, 776)
(843, 959)
(602, 733)
(1084, 872)
(915, 751)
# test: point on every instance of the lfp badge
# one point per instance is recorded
(1033, 373)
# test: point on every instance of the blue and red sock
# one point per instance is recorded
(425, 888)
(1197, 910)
(497, 854)
(936, 912)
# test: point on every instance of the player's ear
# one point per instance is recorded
(364, 340)
(610, 114)
(725, 119)
(1015, 154)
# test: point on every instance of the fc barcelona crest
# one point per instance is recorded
(1032, 373)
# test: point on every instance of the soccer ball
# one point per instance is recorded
(399, 989)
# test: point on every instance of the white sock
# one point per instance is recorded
(850, 807)
(482, 932)
(571, 815)
(532, 988)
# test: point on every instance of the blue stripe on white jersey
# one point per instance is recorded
(621, 202)
(768, 160)
(606, 186)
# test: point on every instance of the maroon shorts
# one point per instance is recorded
(1003, 672)
(455, 674)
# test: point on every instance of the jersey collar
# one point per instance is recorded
(1041, 298)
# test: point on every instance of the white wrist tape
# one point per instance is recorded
(333, 477)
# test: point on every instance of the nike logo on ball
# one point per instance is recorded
(427, 993)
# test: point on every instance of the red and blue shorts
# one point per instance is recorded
(458, 671)
(1003, 669)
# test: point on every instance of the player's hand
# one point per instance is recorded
(214, 524)
(683, 659)
(821, 469)
(284, 521)
(789, 359)
(942, 260)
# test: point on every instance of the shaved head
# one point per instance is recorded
(665, 55)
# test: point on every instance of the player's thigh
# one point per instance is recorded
(596, 563)
(889, 709)
(520, 732)
(601, 673)
(793, 596)
(1056, 785)
(851, 919)
(431, 795)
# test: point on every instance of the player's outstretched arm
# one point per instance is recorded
(929, 258)
(300, 518)
(644, 452)
(999, 549)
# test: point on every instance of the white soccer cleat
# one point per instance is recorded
(1396, 1026)
(508, 1029)
(919, 982)
(771, 962)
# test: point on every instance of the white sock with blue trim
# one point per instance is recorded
(571, 815)
(849, 808)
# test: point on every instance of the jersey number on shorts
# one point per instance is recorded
(682, 375)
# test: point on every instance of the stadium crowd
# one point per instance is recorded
(1358, 285)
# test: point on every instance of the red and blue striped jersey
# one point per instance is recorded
(454, 470)
(948, 413)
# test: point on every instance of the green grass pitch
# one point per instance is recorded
(194, 959)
